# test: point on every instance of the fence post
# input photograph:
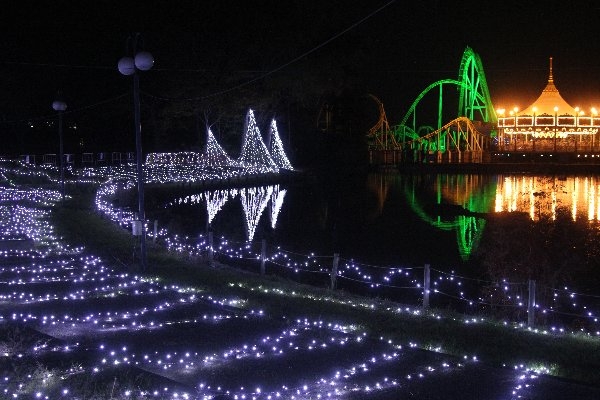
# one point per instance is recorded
(211, 261)
(334, 268)
(155, 230)
(531, 304)
(263, 255)
(426, 286)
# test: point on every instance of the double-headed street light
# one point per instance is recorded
(60, 106)
(130, 65)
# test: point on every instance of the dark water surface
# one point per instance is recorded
(387, 219)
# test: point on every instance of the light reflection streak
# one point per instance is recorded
(544, 196)
(254, 201)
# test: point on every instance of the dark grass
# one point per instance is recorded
(570, 356)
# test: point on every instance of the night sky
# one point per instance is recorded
(395, 49)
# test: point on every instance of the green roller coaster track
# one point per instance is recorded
(474, 103)
(460, 134)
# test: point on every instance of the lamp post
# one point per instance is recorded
(130, 65)
(60, 106)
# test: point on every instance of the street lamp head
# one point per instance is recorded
(59, 105)
(144, 61)
(126, 66)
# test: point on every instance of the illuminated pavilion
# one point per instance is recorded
(548, 125)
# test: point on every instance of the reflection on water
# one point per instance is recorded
(254, 201)
(541, 196)
(384, 218)
(460, 202)
(451, 202)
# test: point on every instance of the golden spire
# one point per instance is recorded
(550, 85)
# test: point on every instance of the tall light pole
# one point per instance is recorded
(130, 65)
(60, 106)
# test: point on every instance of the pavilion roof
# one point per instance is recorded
(548, 100)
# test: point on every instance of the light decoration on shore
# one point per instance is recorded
(212, 165)
(369, 366)
(254, 151)
(276, 148)
(214, 162)
(214, 155)
(183, 157)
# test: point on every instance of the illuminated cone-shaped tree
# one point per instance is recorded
(214, 155)
(276, 148)
(254, 151)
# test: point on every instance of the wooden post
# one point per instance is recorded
(263, 255)
(211, 260)
(426, 286)
(334, 268)
(531, 304)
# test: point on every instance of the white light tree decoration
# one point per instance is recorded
(254, 201)
(214, 155)
(276, 148)
(276, 204)
(254, 151)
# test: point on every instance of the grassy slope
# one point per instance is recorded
(569, 356)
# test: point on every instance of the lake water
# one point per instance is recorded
(390, 219)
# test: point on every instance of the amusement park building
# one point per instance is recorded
(548, 125)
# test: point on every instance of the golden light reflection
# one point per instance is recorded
(574, 199)
(545, 196)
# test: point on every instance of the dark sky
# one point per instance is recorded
(74, 46)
